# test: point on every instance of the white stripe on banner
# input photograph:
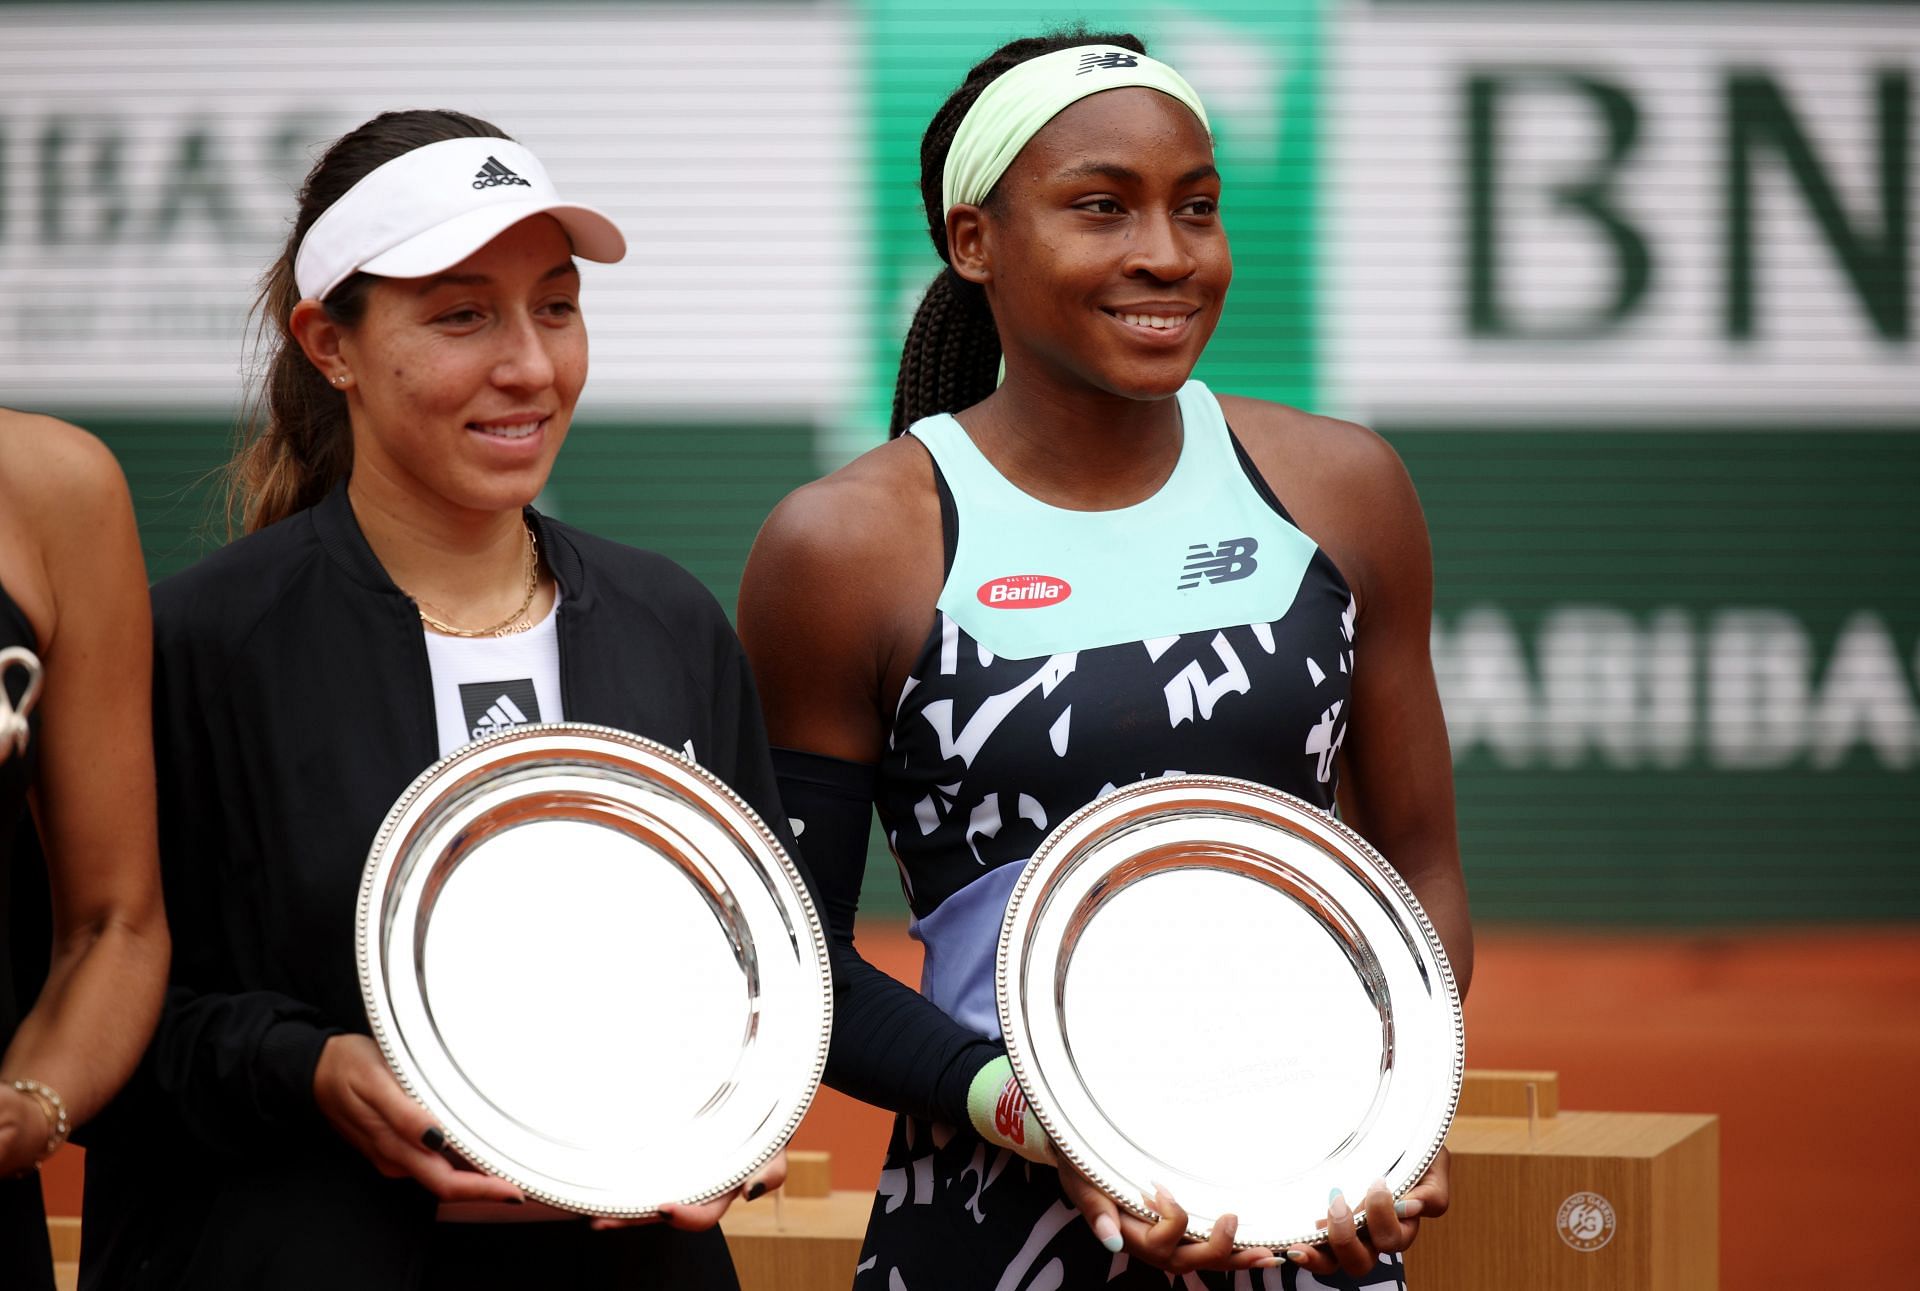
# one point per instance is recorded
(148, 155)
(1638, 184)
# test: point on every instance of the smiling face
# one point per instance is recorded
(463, 384)
(1101, 249)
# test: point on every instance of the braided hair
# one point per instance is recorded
(951, 359)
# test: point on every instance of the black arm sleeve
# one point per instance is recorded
(235, 1066)
(891, 1045)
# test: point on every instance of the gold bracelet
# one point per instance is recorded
(51, 1106)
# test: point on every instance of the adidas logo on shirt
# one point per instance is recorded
(494, 706)
(493, 175)
(502, 712)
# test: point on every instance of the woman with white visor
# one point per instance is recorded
(394, 583)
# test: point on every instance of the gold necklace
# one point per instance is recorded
(513, 623)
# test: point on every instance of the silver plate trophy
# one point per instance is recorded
(1207, 984)
(596, 967)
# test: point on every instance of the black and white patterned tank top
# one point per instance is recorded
(1073, 652)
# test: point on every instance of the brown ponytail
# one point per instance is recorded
(294, 444)
(951, 359)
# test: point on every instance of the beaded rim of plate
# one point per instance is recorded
(1004, 971)
(379, 1023)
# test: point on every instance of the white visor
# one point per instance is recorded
(429, 209)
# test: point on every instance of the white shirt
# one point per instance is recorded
(487, 684)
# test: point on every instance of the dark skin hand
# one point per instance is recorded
(1112, 210)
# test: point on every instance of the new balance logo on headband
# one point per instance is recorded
(493, 174)
(1231, 561)
(1113, 58)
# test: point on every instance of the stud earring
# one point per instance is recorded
(340, 380)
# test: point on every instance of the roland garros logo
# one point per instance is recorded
(1023, 591)
(1585, 1221)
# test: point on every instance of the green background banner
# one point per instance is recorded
(1676, 627)
(1679, 668)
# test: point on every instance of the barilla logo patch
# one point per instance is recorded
(1024, 591)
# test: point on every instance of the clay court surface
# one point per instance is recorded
(1805, 1043)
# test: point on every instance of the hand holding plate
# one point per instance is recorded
(694, 1219)
(600, 861)
(1390, 1227)
(359, 1096)
(1164, 1244)
(1261, 908)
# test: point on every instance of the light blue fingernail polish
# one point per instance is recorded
(1113, 1242)
(1333, 1195)
(1403, 1208)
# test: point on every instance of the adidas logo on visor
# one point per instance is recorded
(493, 175)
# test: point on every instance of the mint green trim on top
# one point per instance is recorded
(1078, 580)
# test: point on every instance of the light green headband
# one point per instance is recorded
(1013, 108)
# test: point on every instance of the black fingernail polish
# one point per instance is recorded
(433, 1138)
(756, 1190)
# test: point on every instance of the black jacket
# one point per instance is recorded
(292, 705)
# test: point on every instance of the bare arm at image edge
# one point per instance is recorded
(93, 802)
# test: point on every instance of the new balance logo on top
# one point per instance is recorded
(1231, 560)
(492, 706)
(1113, 59)
(493, 174)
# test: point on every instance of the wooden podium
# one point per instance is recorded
(1542, 1199)
(1572, 1201)
(806, 1237)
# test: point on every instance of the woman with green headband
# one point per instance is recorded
(1088, 572)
